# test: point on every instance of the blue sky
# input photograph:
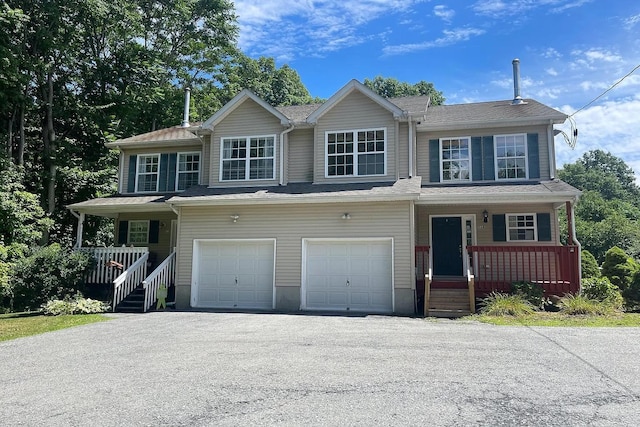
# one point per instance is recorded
(570, 51)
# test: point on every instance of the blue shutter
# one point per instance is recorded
(131, 182)
(172, 172)
(488, 159)
(499, 228)
(123, 231)
(534, 155)
(162, 176)
(154, 231)
(434, 160)
(544, 227)
(476, 158)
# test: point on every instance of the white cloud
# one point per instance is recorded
(551, 72)
(444, 13)
(632, 20)
(551, 53)
(500, 8)
(449, 37)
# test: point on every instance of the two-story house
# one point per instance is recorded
(355, 204)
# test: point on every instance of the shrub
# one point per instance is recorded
(602, 290)
(532, 292)
(50, 272)
(632, 293)
(76, 305)
(619, 268)
(499, 304)
(579, 304)
(589, 264)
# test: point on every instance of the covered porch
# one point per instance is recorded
(141, 263)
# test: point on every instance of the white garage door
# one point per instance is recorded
(349, 275)
(233, 274)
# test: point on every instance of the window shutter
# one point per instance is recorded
(172, 172)
(123, 230)
(476, 158)
(154, 231)
(534, 155)
(544, 227)
(131, 182)
(499, 228)
(162, 176)
(487, 158)
(434, 160)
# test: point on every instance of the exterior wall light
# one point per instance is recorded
(346, 215)
(485, 216)
(235, 217)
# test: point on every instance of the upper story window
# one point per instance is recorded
(147, 173)
(356, 153)
(455, 158)
(511, 156)
(521, 227)
(138, 232)
(188, 170)
(248, 158)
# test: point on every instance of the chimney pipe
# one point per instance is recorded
(187, 98)
(517, 99)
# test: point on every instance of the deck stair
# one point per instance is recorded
(133, 303)
(449, 298)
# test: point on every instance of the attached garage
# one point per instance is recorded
(348, 274)
(233, 274)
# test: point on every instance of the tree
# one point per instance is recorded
(389, 87)
(589, 265)
(619, 268)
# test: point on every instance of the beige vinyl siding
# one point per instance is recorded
(543, 145)
(248, 119)
(355, 111)
(289, 224)
(160, 249)
(484, 231)
(151, 150)
(300, 156)
(403, 150)
(205, 173)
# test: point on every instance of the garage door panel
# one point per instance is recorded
(235, 274)
(338, 299)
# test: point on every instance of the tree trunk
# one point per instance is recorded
(21, 136)
(10, 136)
(50, 168)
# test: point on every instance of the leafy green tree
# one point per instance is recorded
(619, 268)
(589, 265)
(390, 87)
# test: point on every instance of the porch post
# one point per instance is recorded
(79, 230)
(570, 226)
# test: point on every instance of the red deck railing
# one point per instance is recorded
(556, 268)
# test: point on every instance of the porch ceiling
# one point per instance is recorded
(112, 206)
(554, 191)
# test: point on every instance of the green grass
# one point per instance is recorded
(18, 325)
(560, 319)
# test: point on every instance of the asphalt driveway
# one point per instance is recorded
(201, 369)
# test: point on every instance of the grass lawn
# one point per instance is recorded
(18, 325)
(558, 319)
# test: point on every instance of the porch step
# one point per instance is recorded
(449, 303)
(133, 303)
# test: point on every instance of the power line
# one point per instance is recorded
(606, 91)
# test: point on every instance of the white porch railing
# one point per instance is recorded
(163, 274)
(106, 258)
(129, 279)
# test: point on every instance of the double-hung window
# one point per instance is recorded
(138, 232)
(147, 173)
(356, 153)
(521, 227)
(511, 156)
(248, 158)
(188, 170)
(455, 158)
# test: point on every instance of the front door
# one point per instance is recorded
(446, 245)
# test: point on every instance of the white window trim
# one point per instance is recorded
(468, 138)
(355, 152)
(526, 157)
(138, 173)
(129, 231)
(186, 153)
(248, 158)
(535, 226)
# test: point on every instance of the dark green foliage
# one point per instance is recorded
(632, 293)
(532, 292)
(602, 290)
(389, 87)
(590, 266)
(619, 268)
(50, 272)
